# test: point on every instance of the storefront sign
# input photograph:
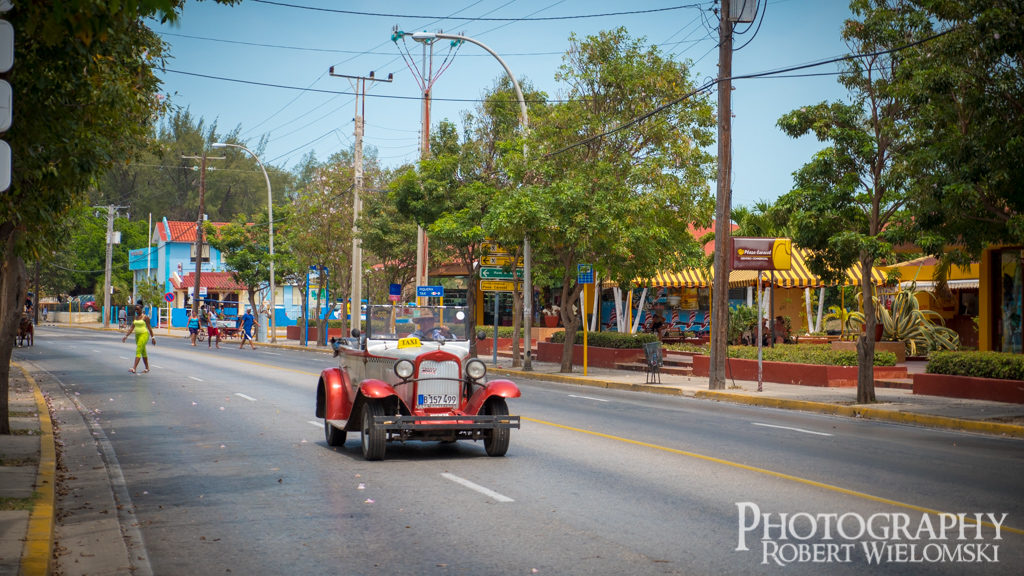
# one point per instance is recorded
(761, 253)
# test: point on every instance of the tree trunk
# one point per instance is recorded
(517, 324)
(12, 295)
(866, 341)
(474, 282)
(571, 321)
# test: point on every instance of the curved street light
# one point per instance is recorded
(270, 221)
(524, 120)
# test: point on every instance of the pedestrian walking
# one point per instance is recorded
(246, 322)
(193, 328)
(122, 318)
(209, 315)
(143, 334)
(45, 311)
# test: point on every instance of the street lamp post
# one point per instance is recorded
(524, 120)
(270, 221)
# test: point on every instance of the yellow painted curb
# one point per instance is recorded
(861, 411)
(38, 550)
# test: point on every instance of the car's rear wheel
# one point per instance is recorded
(496, 441)
(374, 438)
(334, 436)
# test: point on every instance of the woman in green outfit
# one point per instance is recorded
(143, 333)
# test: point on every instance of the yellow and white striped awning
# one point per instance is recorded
(800, 275)
(698, 278)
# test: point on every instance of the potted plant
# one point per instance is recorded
(550, 315)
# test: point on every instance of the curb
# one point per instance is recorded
(868, 412)
(38, 550)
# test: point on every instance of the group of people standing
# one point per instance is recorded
(207, 318)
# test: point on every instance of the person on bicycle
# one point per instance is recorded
(208, 318)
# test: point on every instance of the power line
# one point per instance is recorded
(481, 19)
(710, 83)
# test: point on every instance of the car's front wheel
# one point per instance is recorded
(496, 441)
(335, 436)
(374, 438)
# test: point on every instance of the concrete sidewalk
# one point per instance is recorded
(28, 462)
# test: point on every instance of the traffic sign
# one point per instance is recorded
(499, 261)
(492, 249)
(430, 291)
(584, 274)
(169, 297)
(496, 285)
(499, 274)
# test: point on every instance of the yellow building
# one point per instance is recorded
(1001, 299)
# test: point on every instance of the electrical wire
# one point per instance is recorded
(484, 19)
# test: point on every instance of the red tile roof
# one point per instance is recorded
(210, 280)
(180, 231)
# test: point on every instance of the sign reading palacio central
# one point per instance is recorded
(761, 253)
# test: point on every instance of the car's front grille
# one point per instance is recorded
(439, 385)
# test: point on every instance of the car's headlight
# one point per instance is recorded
(476, 369)
(404, 369)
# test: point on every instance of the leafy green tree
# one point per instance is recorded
(620, 200)
(69, 53)
(847, 194)
(389, 241)
(967, 89)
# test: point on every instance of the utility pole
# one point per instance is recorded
(199, 224)
(720, 286)
(111, 212)
(355, 292)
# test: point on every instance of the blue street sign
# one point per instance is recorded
(584, 274)
(395, 290)
(430, 291)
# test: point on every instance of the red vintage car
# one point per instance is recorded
(410, 377)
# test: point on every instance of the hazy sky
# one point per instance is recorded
(263, 66)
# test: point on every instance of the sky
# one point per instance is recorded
(262, 66)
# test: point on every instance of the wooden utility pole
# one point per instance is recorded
(355, 290)
(199, 225)
(720, 287)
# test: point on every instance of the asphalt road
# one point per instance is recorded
(218, 466)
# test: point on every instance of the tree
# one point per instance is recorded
(967, 89)
(844, 198)
(620, 200)
(386, 232)
(69, 53)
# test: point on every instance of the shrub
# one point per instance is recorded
(822, 354)
(608, 339)
(503, 331)
(999, 365)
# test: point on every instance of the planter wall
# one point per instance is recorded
(484, 347)
(790, 373)
(969, 387)
(295, 333)
(597, 357)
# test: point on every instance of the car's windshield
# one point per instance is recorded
(425, 322)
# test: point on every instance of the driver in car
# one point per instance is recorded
(426, 328)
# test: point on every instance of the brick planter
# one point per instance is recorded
(483, 347)
(597, 357)
(790, 373)
(295, 333)
(969, 387)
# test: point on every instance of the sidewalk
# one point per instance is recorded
(27, 458)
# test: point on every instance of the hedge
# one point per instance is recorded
(821, 354)
(999, 365)
(608, 339)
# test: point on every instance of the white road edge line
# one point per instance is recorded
(315, 423)
(589, 398)
(791, 428)
(196, 379)
(478, 488)
(249, 398)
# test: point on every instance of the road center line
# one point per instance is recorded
(249, 398)
(588, 398)
(765, 471)
(476, 487)
(791, 428)
(315, 423)
(196, 379)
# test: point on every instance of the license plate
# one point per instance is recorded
(437, 400)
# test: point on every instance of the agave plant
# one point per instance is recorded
(847, 318)
(907, 323)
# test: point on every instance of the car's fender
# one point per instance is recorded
(333, 399)
(378, 389)
(502, 388)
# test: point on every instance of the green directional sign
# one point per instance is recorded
(499, 273)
